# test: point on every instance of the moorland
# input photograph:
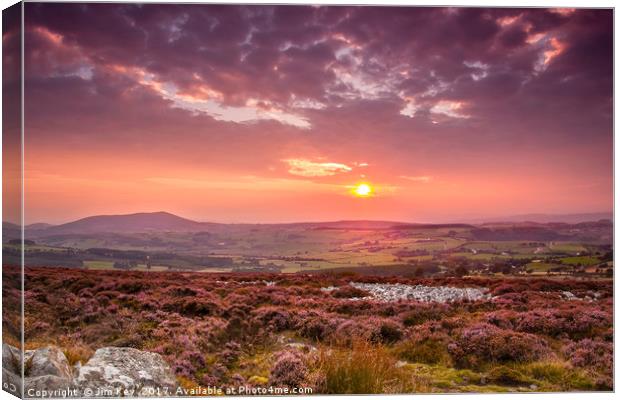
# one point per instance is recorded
(338, 307)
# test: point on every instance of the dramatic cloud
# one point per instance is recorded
(484, 98)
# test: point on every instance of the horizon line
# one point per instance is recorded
(441, 220)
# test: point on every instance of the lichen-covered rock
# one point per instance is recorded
(47, 383)
(46, 369)
(11, 369)
(135, 372)
(112, 371)
(48, 361)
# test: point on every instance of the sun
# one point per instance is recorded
(362, 190)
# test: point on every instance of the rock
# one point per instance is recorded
(11, 358)
(130, 370)
(47, 383)
(302, 347)
(439, 294)
(48, 361)
(569, 296)
(47, 369)
(11, 369)
(112, 371)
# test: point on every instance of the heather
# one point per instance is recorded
(283, 330)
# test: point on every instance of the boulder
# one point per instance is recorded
(11, 358)
(48, 383)
(48, 361)
(120, 371)
(11, 369)
(112, 371)
(47, 369)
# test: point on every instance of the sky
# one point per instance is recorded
(276, 113)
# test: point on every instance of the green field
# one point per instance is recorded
(581, 260)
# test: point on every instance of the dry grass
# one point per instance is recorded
(78, 353)
(363, 368)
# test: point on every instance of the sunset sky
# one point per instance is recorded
(273, 114)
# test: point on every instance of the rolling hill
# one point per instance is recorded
(129, 223)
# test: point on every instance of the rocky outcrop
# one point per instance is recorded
(135, 372)
(112, 372)
(46, 369)
(11, 369)
(439, 294)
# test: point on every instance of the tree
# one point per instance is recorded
(461, 271)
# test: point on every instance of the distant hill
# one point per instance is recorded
(10, 231)
(39, 225)
(550, 218)
(129, 223)
(352, 225)
(514, 227)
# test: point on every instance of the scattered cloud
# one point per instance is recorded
(410, 108)
(423, 179)
(480, 70)
(307, 168)
(449, 108)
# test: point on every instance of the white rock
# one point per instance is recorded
(141, 373)
(440, 294)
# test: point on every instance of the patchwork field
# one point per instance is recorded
(417, 249)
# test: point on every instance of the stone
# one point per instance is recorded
(49, 383)
(48, 361)
(11, 382)
(569, 296)
(440, 294)
(11, 369)
(301, 346)
(112, 371)
(11, 358)
(130, 370)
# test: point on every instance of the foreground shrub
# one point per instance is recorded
(347, 292)
(426, 345)
(289, 369)
(273, 319)
(588, 353)
(553, 322)
(375, 330)
(484, 343)
(316, 325)
(424, 312)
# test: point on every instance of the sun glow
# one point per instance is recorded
(363, 190)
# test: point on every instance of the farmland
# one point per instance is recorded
(423, 250)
